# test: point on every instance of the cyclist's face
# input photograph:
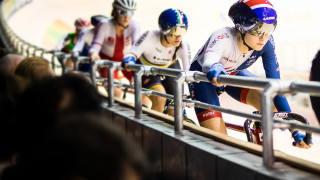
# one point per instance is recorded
(256, 42)
(124, 17)
(174, 40)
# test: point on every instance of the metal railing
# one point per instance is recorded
(270, 87)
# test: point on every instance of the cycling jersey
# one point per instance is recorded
(151, 52)
(105, 38)
(66, 43)
(148, 50)
(112, 47)
(222, 48)
(83, 43)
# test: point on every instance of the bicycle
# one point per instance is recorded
(254, 131)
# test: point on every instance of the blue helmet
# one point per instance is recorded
(173, 22)
(254, 15)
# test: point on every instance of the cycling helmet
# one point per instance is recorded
(126, 5)
(173, 22)
(95, 20)
(81, 23)
(258, 17)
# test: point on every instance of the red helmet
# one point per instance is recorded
(81, 23)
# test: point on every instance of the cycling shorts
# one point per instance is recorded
(207, 93)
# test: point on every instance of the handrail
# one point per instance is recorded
(270, 87)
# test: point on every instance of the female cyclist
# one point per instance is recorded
(161, 48)
(114, 37)
(232, 50)
(68, 41)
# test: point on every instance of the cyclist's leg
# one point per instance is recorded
(69, 63)
(104, 73)
(154, 83)
(245, 95)
(206, 92)
(169, 85)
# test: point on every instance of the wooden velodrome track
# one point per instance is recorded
(53, 10)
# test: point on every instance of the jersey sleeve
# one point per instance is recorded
(135, 31)
(270, 61)
(79, 44)
(214, 48)
(185, 55)
(140, 45)
(98, 38)
(61, 42)
(271, 67)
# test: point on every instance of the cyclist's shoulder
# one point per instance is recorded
(134, 24)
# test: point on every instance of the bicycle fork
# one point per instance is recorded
(256, 131)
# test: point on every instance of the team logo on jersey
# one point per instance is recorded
(158, 50)
(251, 60)
(169, 52)
(220, 37)
(141, 38)
(110, 41)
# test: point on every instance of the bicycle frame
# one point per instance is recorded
(255, 134)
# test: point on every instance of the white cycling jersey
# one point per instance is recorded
(222, 47)
(84, 42)
(105, 37)
(151, 52)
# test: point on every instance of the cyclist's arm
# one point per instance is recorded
(79, 44)
(213, 50)
(185, 55)
(135, 31)
(141, 45)
(61, 42)
(98, 38)
(271, 67)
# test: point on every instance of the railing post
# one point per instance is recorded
(137, 92)
(267, 125)
(267, 96)
(111, 84)
(178, 116)
(94, 67)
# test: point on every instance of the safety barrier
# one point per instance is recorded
(270, 87)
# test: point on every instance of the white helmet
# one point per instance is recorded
(126, 5)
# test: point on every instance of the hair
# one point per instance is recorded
(11, 88)
(34, 68)
(85, 146)
(47, 99)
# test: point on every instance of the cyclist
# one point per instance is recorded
(68, 41)
(315, 76)
(231, 50)
(114, 37)
(161, 48)
(84, 41)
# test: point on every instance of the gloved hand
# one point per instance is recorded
(215, 70)
(128, 60)
(299, 140)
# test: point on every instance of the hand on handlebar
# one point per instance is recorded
(300, 140)
(128, 60)
(94, 56)
(215, 70)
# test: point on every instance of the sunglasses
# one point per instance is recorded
(262, 29)
(125, 13)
